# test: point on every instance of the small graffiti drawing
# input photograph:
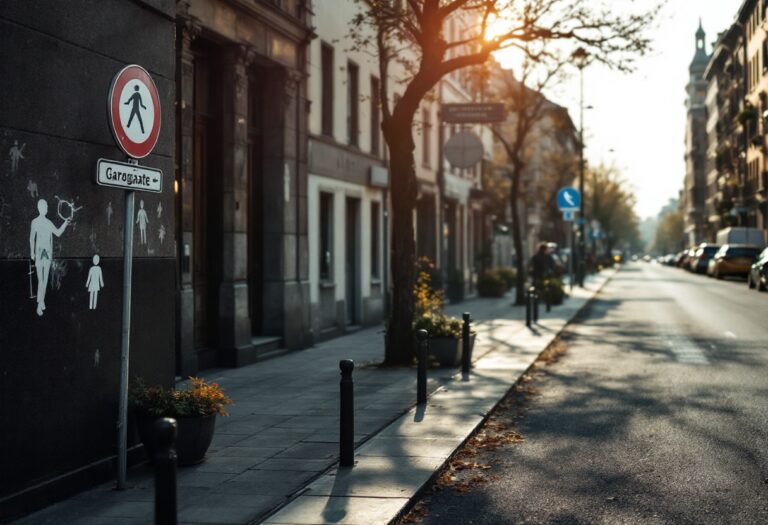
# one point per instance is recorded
(58, 272)
(32, 189)
(142, 220)
(159, 210)
(95, 282)
(16, 154)
(96, 358)
(161, 233)
(41, 234)
(110, 211)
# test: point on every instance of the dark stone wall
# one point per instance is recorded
(59, 372)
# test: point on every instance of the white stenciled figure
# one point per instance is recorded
(142, 220)
(95, 282)
(15, 153)
(110, 211)
(32, 189)
(161, 233)
(159, 210)
(41, 235)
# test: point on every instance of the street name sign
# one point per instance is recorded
(133, 107)
(476, 113)
(568, 199)
(128, 176)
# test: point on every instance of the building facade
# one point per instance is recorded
(61, 241)
(241, 179)
(695, 187)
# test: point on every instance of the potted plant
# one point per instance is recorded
(194, 408)
(445, 337)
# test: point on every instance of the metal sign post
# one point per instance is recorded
(125, 342)
(133, 108)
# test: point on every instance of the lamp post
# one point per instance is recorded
(580, 58)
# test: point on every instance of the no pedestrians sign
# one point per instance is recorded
(133, 107)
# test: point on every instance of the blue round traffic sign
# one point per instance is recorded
(568, 198)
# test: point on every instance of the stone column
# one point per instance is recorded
(187, 31)
(234, 334)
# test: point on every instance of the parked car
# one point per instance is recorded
(700, 259)
(758, 272)
(733, 259)
(685, 258)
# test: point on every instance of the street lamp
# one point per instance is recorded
(580, 58)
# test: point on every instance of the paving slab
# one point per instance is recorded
(273, 457)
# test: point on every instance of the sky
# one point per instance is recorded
(638, 119)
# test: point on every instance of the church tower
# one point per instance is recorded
(695, 189)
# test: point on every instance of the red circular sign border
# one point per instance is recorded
(132, 149)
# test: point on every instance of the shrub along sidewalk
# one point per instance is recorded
(283, 431)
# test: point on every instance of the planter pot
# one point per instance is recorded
(194, 437)
(447, 350)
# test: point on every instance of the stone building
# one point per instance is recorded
(241, 181)
(694, 191)
(60, 344)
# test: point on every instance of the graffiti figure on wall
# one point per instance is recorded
(161, 233)
(95, 282)
(41, 234)
(16, 154)
(32, 189)
(142, 220)
(110, 211)
(159, 210)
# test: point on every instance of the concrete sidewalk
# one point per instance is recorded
(272, 458)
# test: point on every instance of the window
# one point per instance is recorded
(353, 96)
(327, 88)
(426, 137)
(375, 117)
(375, 239)
(326, 236)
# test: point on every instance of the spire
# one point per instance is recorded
(701, 57)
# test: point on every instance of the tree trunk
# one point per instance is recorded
(399, 349)
(517, 235)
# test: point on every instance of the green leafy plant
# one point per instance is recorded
(553, 290)
(508, 274)
(439, 325)
(198, 399)
(491, 284)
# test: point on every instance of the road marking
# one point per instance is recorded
(730, 334)
(686, 351)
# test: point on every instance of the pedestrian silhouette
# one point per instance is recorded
(142, 220)
(15, 153)
(136, 100)
(94, 283)
(41, 234)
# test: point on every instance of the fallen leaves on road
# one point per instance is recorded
(416, 515)
(553, 352)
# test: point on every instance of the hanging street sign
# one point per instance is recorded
(568, 215)
(133, 107)
(568, 199)
(476, 113)
(128, 176)
(463, 150)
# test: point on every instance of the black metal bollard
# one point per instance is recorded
(546, 300)
(529, 306)
(535, 306)
(421, 376)
(165, 471)
(347, 419)
(466, 356)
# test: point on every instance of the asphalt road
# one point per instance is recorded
(657, 413)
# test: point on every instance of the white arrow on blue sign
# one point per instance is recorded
(568, 198)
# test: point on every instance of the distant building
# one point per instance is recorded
(694, 193)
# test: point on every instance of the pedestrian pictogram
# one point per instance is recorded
(134, 111)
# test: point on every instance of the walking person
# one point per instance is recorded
(542, 266)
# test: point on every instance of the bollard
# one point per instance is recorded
(535, 306)
(347, 419)
(165, 471)
(465, 349)
(421, 375)
(529, 306)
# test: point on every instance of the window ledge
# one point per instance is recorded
(375, 280)
(327, 284)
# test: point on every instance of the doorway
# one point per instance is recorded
(352, 262)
